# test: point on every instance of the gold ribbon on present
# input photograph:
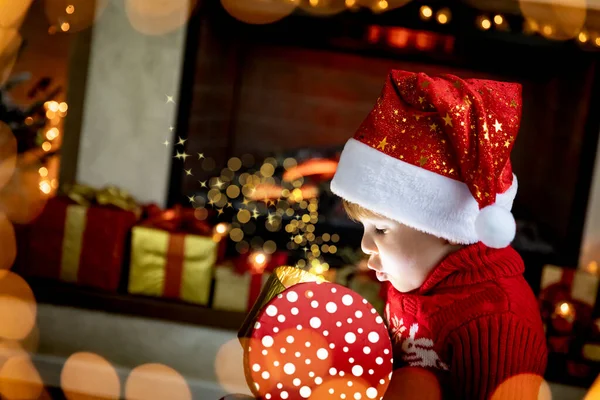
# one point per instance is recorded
(86, 196)
(281, 279)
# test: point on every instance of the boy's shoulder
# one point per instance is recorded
(451, 309)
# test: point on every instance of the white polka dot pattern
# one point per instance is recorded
(318, 340)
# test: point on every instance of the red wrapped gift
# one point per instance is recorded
(83, 244)
(238, 283)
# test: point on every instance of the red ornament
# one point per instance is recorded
(318, 340)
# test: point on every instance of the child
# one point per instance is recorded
(429, 176)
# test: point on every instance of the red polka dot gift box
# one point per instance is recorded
(317, 340)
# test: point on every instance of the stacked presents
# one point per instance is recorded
(103, 239)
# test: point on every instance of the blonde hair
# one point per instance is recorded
(355, 212)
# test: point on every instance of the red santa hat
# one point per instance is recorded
(434, 154)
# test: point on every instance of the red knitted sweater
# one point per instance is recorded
(474, 321)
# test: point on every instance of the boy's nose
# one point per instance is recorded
(367, 245)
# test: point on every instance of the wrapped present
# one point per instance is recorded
(81, 239)
(570, 291)
(238, 283)
(173, 256)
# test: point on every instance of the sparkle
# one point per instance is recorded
(382, 144)
(255, 214)
(181, 141)
(513, 103)
(485, 127)
(421, 99)
(229, 205)
(219, 183)
(192, 199)
(178, 155)
(184, 155)
(200, 156)
(166, 143)
(395, 112)
(188, 172)
(245, 201)
(433, 126)
(170, 99)
(447, 120)
(498, 126)
(486, 136)
(202, 184)
(506, 144)
(171, 128)
(417, 117)
(220, 211)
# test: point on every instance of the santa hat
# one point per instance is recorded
(434, 154)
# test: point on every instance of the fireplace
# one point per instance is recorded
(302, 86)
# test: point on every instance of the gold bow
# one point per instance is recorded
(109, 196)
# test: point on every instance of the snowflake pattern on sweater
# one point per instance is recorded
(416, 352)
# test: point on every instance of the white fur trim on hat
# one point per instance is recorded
(411, 195)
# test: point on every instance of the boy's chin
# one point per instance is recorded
(402, 287)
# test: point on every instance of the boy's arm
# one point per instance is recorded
(497, 354)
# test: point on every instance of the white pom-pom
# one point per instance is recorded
(495, 226)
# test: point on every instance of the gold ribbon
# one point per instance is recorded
(86, 196)
(282, 278)
(72, 242)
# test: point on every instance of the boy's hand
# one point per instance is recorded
(413, 383)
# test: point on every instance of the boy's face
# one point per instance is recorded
(399, 254)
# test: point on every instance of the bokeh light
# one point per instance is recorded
(17, 307)
(21, 199)
(323, 8)
(258, 11)
(8, 243)
(19, 379)
(73, 15)
(523, 386)
(88, 376)
(156, 382)
(158, 17)
(229, 367)
(8, 154)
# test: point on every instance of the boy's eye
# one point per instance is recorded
(379, 231)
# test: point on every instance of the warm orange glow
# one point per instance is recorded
(8, 243)
(426, 12)
(597, 41)
(19, 379)
(524, 386)
(156, 382)
(594, 392)
(70, 9)
(592, 268)
(316, 166)
(46, 146)
(398, 37)
(222, 228)
(547, 30)
(89, 376)
(52, 133)
(65, 26)
(498, 19)
(13, 13)
(383, 4)
(54, 183)
(256, 11)
(258, 260)
(374, 34)
(8, 154)
(425, 41)
(43, 171)
(28, 121)
(53, 106)
(18, 309)
(485, 23)
(350, 3)
(63, 107)
(45, 187)
(443, 16)
(564, 309)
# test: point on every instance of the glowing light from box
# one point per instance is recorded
(258, 260)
